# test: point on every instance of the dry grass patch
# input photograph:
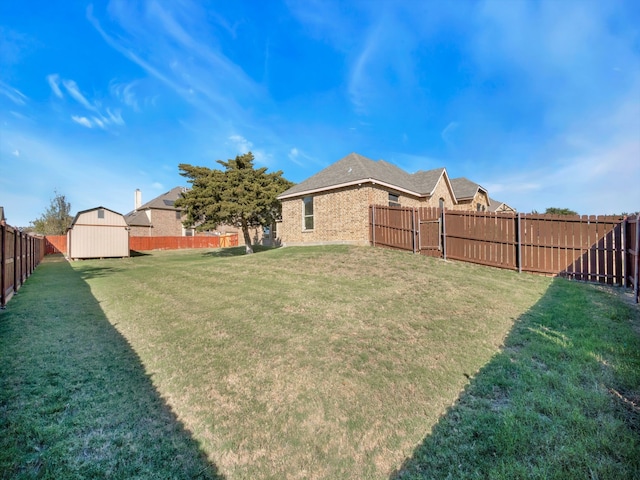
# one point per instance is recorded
(324, 362)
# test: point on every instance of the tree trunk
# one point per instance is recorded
(247, 237)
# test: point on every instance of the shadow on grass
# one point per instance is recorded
(561, 400)
(136, 253)
(235, 251)
(75, 400)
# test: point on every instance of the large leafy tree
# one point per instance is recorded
(56, 219)
(240, 195)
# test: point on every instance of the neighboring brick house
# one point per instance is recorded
(496, 206)
(158, 217)
(470, 195)
(333, 205)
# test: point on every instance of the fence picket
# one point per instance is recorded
(598, 249)
(20, 254)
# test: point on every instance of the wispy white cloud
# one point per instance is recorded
(98, 122)
(115, 117)
(241, 143)
(84, 121)
(591, 166)
(54, 83)
(99, 116)
(194, 69)
(125, 92)
(73, 90)
(448, 132)
(299, 157)
(13, 94)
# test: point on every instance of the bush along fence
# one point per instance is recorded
(58, 243)
(604, 249)
(20, 254)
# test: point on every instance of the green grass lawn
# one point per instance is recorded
(318, 362)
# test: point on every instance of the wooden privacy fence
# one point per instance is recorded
(20, 254)
(55, 244)
(176, 243)
(601, 249)
(58, 243)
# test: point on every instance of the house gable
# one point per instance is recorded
(496, 206)
(158, 217)
(470, 195)
(354, 170)
(341, 194)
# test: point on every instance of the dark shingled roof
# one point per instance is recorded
(494, 205)
(137, 219)
(465, 188)
(165, 201)
(355, 168)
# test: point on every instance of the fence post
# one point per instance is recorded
(625, 280)
(413, 229)
(444, 234)
(3, 265)
(519, 242)
(373, 225)
(16, 260)
(636, 274)
(419, 210)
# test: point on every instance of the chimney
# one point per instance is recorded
(137, 200)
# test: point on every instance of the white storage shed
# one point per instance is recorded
(98, 233)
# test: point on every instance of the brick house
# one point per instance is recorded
(496, 206)
(333, 205)
(470, 195)
(158, 217)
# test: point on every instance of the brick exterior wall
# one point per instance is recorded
(342, 215)
(472, 205)
(166, 223)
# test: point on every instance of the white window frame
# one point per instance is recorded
(305, 215)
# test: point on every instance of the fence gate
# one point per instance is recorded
(430, 232)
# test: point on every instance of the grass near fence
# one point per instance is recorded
(323, 362)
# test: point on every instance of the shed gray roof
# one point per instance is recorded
(354, 169)
(465, 188)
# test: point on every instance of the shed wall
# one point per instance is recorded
(94, 237)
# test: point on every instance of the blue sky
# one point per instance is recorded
(537, 101)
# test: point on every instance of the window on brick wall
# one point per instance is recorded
(394, 200)
(307, 213)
